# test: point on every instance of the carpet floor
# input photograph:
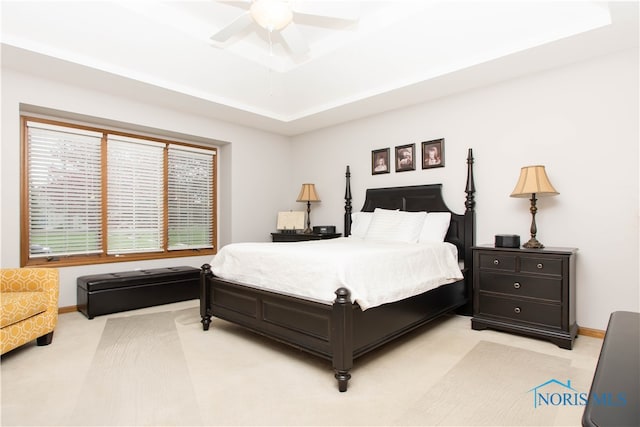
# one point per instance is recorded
(157, 367)
(139, 375)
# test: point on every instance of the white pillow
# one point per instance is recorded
(395, 226)
(435, 227)
(360, 223)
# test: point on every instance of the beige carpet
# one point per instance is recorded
(490, 386)
(138, 376)
(157, 367)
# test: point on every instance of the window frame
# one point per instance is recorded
(104, 257)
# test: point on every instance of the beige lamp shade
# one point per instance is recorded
(308, 194)
(533, 180)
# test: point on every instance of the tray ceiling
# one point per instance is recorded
(396, 54)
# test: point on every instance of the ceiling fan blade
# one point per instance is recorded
(347, 10)
(294, 40)
(236, 26)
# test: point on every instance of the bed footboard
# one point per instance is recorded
(339, 332)
(325, 330)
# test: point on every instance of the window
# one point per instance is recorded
(190, 198)
(64, 191)
(93, 195)
(135, 195)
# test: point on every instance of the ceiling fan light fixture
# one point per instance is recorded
(272, 15)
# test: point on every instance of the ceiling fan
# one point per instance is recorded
(278, 16)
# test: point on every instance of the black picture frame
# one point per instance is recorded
(405, 157)
(380, 161)
(433, 154)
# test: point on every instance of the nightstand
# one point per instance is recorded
(526, 291)
(302, 237)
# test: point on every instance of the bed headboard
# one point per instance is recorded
(424, 198)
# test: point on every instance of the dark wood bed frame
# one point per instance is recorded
(342, 331)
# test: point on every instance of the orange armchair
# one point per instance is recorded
(28, 306)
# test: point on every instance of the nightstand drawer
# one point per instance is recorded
(521, 311)
(521, 285)
(541, 265)
(494, 261)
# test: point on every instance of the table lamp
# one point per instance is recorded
(533, 182)
(308, 194)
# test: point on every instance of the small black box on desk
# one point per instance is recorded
(324, 229)
(507, 241)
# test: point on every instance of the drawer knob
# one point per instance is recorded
(516, 310)
(516, 285)
(539, 265)
(496, 262)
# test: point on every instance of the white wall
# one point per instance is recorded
(248, 167)
(580, 121)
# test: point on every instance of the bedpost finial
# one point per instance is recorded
(471, 187)
(206, 268)
(347, 192)
(342, 295)
(347, 204)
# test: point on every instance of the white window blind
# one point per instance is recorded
(135, 195)
(64, 191)
(190, 182)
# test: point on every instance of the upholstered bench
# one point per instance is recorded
(114, 292)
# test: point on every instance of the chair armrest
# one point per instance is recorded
(31, 280)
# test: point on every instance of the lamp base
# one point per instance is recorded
(308, 230)
(533, 244)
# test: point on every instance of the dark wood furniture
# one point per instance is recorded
(302, 237)
(614, 398)
(128, 290)
(526, 291)
(342, 331)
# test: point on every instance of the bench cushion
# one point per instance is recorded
(98, 282)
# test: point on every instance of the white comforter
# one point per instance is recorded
(374, 272)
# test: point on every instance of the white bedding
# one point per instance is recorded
(375, 272)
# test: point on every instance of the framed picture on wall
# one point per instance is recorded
(433, 154)
(380, 161)
(405, 155)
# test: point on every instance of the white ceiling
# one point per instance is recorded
(398, 53)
